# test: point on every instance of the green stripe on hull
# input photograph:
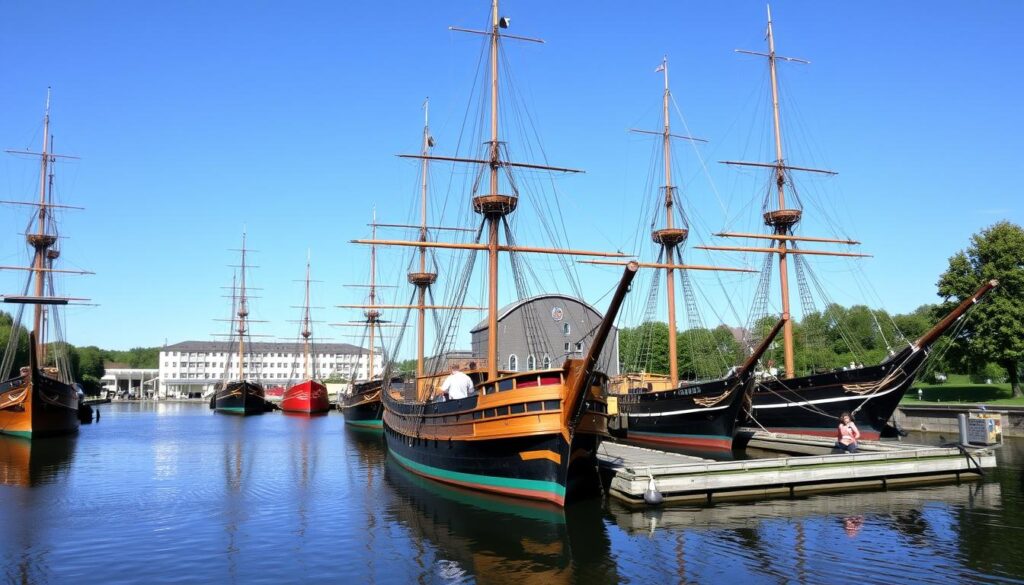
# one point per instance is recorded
(22, 434)
(532, 485)
(231, 409)
(369, 423)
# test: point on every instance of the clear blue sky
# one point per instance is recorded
(194, 119)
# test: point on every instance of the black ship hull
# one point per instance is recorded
(241, 398)
(812, 404)
(363, 407)
(702, 416)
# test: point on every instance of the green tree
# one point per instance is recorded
(644, 348)
(995, 330)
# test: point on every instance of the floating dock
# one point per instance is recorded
(687, 479)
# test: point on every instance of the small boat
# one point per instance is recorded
(241, 396)
(41, 399)
(309, 395)
(812, 404)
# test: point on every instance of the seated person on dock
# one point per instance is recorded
(457, 385)
(846, 440)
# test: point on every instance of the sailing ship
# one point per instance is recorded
(41, 399)
(658, 408)
(362, 405)
(242, 395)
(308, 396)
(811, 404)
(531, 434)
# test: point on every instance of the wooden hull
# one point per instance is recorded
(309, 396)
(241, 398)
(812, 404)
(37, 406)
(702, 416)
(513, 437)
(363, 407)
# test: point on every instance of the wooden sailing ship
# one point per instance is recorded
(662, 409)
(41, 398)
(308, 396)
(242, 394)
(812, 403)
(362, 405)
(530, 434)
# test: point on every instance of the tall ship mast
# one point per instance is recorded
(241, 392)
(657, 408)
(309, 396)
(531, 434)
(812, 403)
(362, 405)
(41, 398)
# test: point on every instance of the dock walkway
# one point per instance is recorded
(683, 478)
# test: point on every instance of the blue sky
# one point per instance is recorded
(196, 119)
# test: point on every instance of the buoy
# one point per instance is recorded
(652, 497)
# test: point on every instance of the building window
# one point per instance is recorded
(566, 329)
(531, 363)
(579, 347)
(547, 362)
(513, 363)
(566, 347)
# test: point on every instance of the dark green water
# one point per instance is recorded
(173, 493)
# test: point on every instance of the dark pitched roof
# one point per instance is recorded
(507, 309)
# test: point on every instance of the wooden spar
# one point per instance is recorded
(679, 136)
(420, 227)
(496, 164)
(787, 238)
(663, 265)
(782, 251)
(782, 220)
(372, 314)
(34, 204)
(932, 334)
(493, 219)
(243, 312)
(423, 284)
(306, 331)
(777, 166)
(500, 248)
(40, 243)
(763, 347)
(579, 372)
(45, 270)
(416, 306)
(669, 247)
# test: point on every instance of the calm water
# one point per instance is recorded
(174, 493)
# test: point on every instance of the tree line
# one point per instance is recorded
(87, 362)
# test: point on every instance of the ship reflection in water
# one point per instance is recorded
(159, 493)
(36, 462)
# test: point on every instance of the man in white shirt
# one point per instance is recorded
(457, 385)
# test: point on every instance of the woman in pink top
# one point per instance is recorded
(847, 434)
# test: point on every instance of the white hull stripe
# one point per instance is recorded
(854, 397)
(649, 414)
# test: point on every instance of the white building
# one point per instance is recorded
(193, 368)
(122, 381)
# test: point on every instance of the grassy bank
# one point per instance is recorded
(959, 389)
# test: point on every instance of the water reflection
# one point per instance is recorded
(25, 462)
(487, 539)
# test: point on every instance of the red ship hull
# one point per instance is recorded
(309, 397)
